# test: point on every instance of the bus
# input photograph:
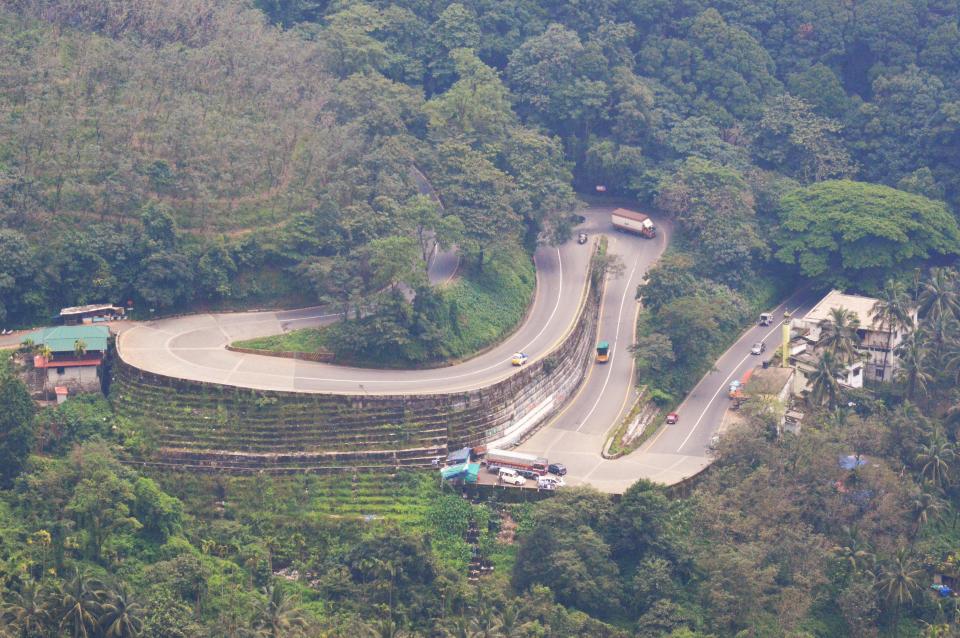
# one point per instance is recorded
(603, 352)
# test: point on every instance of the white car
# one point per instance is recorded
(550, 482)
(506, 475)
(758, 348)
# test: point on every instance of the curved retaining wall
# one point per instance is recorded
(203, 426)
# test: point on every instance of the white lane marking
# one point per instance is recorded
(230, 374)
(173, 352)
(616, 337)
(555, 307)
(706, 408)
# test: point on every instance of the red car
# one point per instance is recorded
(672, 418)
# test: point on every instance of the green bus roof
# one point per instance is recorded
(603, 345)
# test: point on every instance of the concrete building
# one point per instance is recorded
(878, 361)
(74, 355)
(771, 383)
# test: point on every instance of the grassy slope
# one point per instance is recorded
(413, 500)
(303, 340)
(488, 305)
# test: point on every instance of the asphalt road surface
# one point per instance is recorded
(193, 347)
(576, 435)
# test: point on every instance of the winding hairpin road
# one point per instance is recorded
(193, 347)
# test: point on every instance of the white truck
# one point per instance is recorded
(633, 222)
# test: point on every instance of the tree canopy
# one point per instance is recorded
(855, 234)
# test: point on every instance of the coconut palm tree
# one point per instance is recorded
(914, 369)
(856, 559)
(121, 616)
(892, 310)
(939, 335)
(461, 628)
(79, 348)
(838, 334)
(28, 610)
(925, 506)
(951, 355)
(485, 622)
(939, 295)
(898, 582)
(80, 606)
(388, 628)
(825, 382)
(43, 350)
(280, 616)
(935, 459)
(510, 620)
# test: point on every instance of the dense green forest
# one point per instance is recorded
(784, 536)
(217, 153)
(210, 153)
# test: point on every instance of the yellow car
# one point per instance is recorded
(519, 359)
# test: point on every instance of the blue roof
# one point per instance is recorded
(459, 456)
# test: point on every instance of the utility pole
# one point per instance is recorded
(785, 348)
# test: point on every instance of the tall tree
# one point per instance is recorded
(914, 370)
(838, 334)
(795, 140)
(476, 109)
(935, 459)
(899, 581)
(28, 610)
(825, 380)
(853, 234)
(480, 194)
(279, 616)
(715, 205)
(16, 427)
(80, 606)
(940, 294)
(893, 311)
(120, 615)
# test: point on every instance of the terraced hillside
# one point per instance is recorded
(200, 426)
(205, 427)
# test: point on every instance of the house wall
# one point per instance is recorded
(78, 379)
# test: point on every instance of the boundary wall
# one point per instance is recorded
(209, 427)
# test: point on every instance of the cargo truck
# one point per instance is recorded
(633, 222)
(523, 463)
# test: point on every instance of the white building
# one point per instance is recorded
(69, 357)
(877, 342)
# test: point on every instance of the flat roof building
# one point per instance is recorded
(74, 358)
(878, 343)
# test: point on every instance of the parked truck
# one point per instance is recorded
(633, 222)
(738, 386)
(523, 463)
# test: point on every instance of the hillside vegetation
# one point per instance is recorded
(194, 155)
(209, 153)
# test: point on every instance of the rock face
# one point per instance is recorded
(212, 427)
